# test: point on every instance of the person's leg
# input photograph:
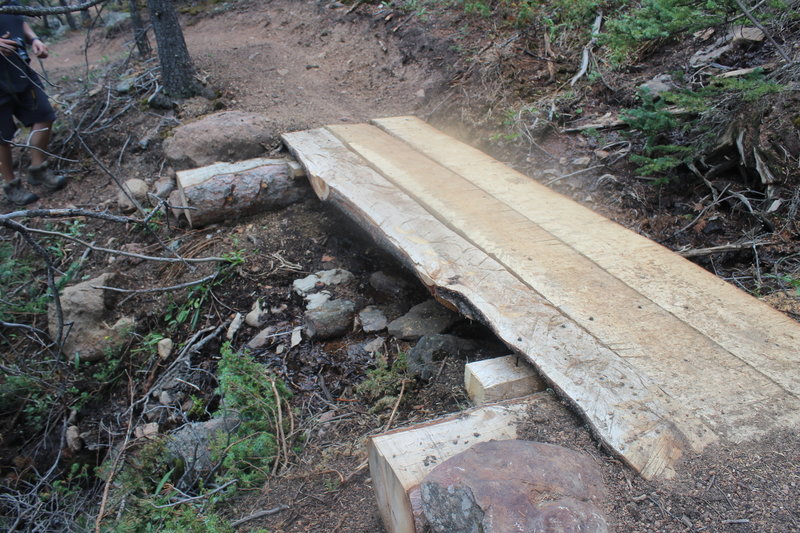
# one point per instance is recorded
(11, 186)
(6, 163)
(34, 110)
(40, 141)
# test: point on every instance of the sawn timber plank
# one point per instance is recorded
(630, 413)
(733, 397)
(750, 329)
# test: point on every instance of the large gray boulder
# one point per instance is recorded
(512, 485)
(86, 316)
(226, 136)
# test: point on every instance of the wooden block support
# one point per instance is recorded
(399, 460)
(501, 378)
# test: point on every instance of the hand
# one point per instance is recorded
(39, 49)
(7, 46)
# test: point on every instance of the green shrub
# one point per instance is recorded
(248, 392)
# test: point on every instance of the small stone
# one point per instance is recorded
(136, 189)
(297, 337)
(388, 284)
(317, 300)
(333, 319)
(124, 86)
(146, 430)
(305, 285)
(660, 84)
(425, 357)
(165, 398)
(164, 347)
(427, 318)
(335, 276)
(261, 339)
(73, 438)
(372, 319)
(162, 189)
(581, 161)
(375, 345)
(256, 318)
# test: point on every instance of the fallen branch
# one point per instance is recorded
(259, 514)
(161, 289)
(723, 248)
(587, 50)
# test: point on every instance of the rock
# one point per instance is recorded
(225, 136)
(137, 189)
(165, 398)
(73, 438)
(333, 319)
(124, 86)
(372, 319)
(335, 276)
(261, 339)
(388, 284)
(581, 161)
(314, 282)
(424, 358)
(191, 444)
(84, 306)
(317, 300)
(305, 285)
(426, 318)
(164, 347)
(660, 84)
(162, 189)
(257, 316)
(146, 430)
(511, 485)
(375, 345)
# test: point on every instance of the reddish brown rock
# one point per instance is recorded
(224, 136)
(515, 486)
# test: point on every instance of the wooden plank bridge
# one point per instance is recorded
(661, 357)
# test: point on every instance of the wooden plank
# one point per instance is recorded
(737, 400)
(752, 330)
(632, 415)
(400, 460)
(500, 378)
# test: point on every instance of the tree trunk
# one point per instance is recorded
(177, 70)
(70, 19)
(139, 31)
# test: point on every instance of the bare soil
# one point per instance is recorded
(307, 64)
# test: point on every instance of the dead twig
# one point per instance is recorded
(761, 27)
(587, 50)
(396, 405)
(259, 514)
(723, 248)
(161, 289)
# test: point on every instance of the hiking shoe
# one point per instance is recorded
(42, 175)
(17, 195)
